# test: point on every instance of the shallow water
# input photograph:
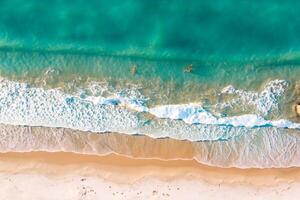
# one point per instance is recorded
(267, 148)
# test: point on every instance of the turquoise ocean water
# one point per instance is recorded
(203, 71)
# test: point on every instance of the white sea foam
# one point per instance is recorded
(263, 102)
(189, 113)
(195, 114)
(21, 104)
(102, 93)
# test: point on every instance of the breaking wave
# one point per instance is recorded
(127, 112)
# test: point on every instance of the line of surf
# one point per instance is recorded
(21, 104)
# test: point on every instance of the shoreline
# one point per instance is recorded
(246, 152)
(111, 167)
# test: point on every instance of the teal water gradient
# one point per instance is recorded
(180, 29)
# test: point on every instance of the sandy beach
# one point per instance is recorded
(56, 163)
(43, 175)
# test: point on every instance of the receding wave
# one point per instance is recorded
(266, 148)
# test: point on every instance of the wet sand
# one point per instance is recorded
(264, 149)
(113, 166)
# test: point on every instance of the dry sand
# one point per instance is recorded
(43, 175)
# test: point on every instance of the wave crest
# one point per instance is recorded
(21, 104)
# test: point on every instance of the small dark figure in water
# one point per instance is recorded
(297, 108)
(133, 69)
(188, 69)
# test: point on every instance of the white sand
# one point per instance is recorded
(40, 187)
